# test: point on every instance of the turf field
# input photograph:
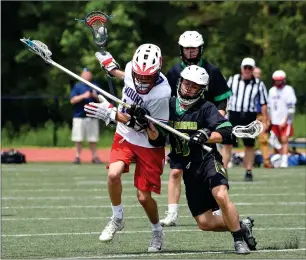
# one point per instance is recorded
(58, 210)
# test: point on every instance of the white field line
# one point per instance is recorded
(134, 196)
(293, 203)
(161, 254)
(142, 217)
(134, 189)
(136, 232)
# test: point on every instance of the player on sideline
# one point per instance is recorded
(281, 104)
(205, 178)
(144, 85)
(191, 45)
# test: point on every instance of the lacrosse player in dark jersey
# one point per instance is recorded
(191, 45)
(205, 178)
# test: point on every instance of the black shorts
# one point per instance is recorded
(175, 164)
(199, 181)
(241, 118)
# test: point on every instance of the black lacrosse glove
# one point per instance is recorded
(200, 137)
(138, 120)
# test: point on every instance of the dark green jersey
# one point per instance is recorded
(202, 114)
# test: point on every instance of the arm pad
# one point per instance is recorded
(225, 132)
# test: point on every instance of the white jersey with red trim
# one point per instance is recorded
(279, 101)
(156, 102)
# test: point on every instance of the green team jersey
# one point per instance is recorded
(202, 114)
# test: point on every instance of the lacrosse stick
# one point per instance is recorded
(42, 50)
(97, 22)
(249, 131)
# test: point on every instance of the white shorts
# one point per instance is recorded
(85, 128)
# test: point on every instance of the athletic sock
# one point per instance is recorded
(173, 208)
(157, 227)
(117, 211)
(237, 235)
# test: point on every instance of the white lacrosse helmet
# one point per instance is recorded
(279, 75)
(191, 39)
(279, 78)
(146, 65)
(197, 75)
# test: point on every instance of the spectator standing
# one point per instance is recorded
(82, 126)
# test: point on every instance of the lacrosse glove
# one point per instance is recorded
(200, 137)
(103, 110)
(107, 62)
(138, 120)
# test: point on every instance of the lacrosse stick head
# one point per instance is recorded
(249, 131)
(38, 48)
(97, 21)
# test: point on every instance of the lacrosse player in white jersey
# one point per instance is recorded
(147, 90)
(281, 104)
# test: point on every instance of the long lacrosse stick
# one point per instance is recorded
(97, 22)
(41, 49)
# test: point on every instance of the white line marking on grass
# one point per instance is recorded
(161, 254)
(140, 217)
(136, 232)
(163, 205)
(134, 196)
(133, 189)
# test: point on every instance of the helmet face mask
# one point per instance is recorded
(192, 84)
(146, 66)
(144, 83)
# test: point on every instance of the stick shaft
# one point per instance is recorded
(119, 101)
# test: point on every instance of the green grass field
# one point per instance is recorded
(57, 211)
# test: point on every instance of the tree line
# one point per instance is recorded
(273, 33)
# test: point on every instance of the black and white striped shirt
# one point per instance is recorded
(246, 94)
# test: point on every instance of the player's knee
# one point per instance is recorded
(176, 174)
(143, 197)
(221, 195)
(114, 176)
(205, 226)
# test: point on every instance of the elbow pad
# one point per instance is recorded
(226, 133)
(159, 141)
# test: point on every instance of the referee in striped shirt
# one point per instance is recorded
(242, 110)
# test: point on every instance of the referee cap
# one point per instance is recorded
(248, 61)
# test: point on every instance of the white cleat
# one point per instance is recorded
(114, 225)
(284, 165)
(156, 242)
(170, 219)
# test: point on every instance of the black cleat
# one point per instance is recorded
(246, 226)
(248, 176)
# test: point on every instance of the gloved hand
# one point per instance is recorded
(200, 137)
(103, 110)
(138, 120)
(107, 62)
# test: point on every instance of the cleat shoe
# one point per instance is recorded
(156, 241)
(114, 225)
(96, 160)
(77, 160)
(169, 220)
(248, 176)
(241, 247)
(247, 225)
